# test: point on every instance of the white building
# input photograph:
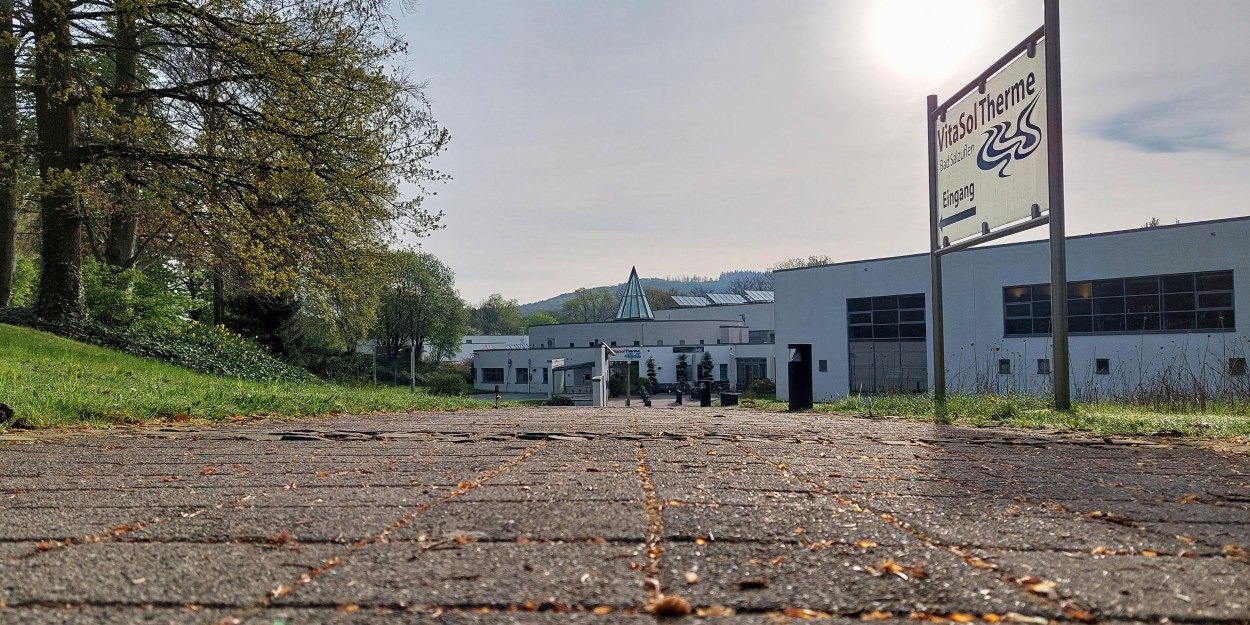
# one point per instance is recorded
(1163, 305)
(739, 350)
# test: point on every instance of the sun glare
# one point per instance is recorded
(926, 39)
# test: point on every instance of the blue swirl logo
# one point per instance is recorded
(1004, 143)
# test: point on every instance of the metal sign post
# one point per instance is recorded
(1058, 240)
(989, 176)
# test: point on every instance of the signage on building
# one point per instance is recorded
(990, 150)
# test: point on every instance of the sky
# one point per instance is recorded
(691, 137)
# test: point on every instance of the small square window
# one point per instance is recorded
(824, 365)
(660, 343)
(1236, 366)
(700, 341)
(1043, 366)
(1102, 366)
(613, 343)
(681, 342)
(1004, 366)
(635, 343)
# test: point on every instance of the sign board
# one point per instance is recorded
(990, 150)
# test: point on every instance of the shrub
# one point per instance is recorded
(559, 400)
(643, 384)
(207, 349)
(447, 383)
(762, 387)
(616, 385)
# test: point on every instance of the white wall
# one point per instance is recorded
(758, 316)
(811, 308)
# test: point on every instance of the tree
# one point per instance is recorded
(683, 369)
(265, 140)
(11, 151)
(651, 371)
(540, 318)
(799, 262)
(497, 316)
(421, 304)
(660, 299)
(590, 305)
(705, 367)
(751, 281)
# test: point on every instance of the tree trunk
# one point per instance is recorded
(10, 153)
(219, 299)
(123, 227)
(56, 122)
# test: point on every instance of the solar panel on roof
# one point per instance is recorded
(759, 296)
(689, 301)
(726, 298)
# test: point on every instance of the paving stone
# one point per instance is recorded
(810, 522)
(387, 616)
(272, 523)
(156, 573)
(1138, 587)
(777, 576)
(25, 524)
(538, 520)
(480, 574)
(111, 615)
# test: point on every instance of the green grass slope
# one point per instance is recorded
(53, 381)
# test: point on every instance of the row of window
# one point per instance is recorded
(495, 375)
(1102, 366)
(1168, 303)
(888, 317)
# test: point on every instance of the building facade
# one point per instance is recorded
(1147, 308)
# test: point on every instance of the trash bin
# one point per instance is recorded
(800, 374)
(728, 399)
(678, 396)
(705, 394)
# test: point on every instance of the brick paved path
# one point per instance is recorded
(583, 515)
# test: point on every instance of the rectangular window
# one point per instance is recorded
(1043, 366)
(759, 337)
(892, 317)
(522, 376)
(1186, 302)
(1004, 366)
(492, 375)
(552, 343)
(700, 341)
(1102, 366)
(724, 371)
(635, 343)
(660, 343)
(545, 378)
(613, 343)
(824, 365)
(681, 342)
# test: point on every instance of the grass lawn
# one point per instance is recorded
(53, 381)
(1211, 421)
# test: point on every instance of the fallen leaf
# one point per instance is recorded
(753, 583)
(1078, 614)
(1187, 499)
(692, 577)
(1148, 553)
(348, 608)
(1186, 539)
(804, 613)
(961, 617)
(603, 609)
(866, 544)
(1014, 617)
(714, 610)
(208, 471)
(978, 563)
(875, 615)
(669, 605)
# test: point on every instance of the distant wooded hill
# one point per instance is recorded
(728, 282)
